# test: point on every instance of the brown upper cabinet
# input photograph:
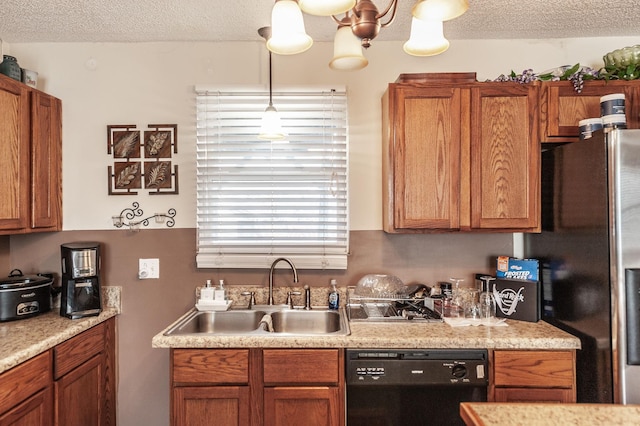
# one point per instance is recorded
(461, 156)
(30, 159)
(561, 107)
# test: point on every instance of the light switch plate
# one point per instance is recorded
(148, 268)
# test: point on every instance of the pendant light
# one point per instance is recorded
(439, 10)
(325, 7)
(426, 38)
(347, 51)
(270, 129)
(288, 34)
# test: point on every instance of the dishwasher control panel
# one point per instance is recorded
(416, 367)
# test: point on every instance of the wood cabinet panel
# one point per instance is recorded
(46, 162)
(219, 405)
(461, 157)
(545, 369)
(14, 154)
(505, 157)
(562, 108)
(293, 406)
(280, 386)
(77, 350)
(423, 155)
(196, 365)
(30, 159)
(84, 392)
(35, 411)
(79, 395)
(24, 380)
(317, 366)
(534, 395)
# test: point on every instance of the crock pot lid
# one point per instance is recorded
(17, 279)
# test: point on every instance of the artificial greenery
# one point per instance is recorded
(611, 72)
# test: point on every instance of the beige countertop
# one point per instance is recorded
(518, 335)
(24, 339)
(514, 414)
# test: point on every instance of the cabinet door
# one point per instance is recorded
(309, 406)
(562, 108)
(216, 405)
(14, 155)
(422, 170)
(505, 157)
(46, 162)
(35, 411)
(79, 395)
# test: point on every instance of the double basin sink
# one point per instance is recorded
(263, 320)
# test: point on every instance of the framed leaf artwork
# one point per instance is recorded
(155, 172)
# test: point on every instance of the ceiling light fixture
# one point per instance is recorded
(271, 129)
(365, 21)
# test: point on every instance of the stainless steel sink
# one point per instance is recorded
(249, 322)
(218, 322)
(306, 322)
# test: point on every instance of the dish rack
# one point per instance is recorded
(386, 308)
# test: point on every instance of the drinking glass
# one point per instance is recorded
(486, 301)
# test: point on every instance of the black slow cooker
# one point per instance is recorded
(24, 296)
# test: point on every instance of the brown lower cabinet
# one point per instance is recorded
(306, 386)
(72, 384)
(533, 376)
(257, 387)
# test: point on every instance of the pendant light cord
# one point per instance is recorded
(270, 82)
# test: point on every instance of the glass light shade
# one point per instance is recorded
(325, 7)
(271, 128)
(288, 35)
(426, 39)
(347, 51)
(439, 10)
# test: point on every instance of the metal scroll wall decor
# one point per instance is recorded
(132, 217)
(142, 163)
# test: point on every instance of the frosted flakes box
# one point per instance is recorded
(517, 299)
(517, 269)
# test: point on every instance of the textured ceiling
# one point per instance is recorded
(24, 21)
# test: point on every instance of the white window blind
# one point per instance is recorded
(258, 200)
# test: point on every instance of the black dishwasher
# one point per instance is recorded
(413, 387)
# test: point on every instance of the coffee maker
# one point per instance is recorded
(80, 280)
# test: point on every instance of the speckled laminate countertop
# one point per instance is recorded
(518, 335)
(514, 414)
(24, 339)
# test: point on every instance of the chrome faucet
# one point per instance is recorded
(273, 266)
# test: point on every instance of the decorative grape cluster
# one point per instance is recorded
(576, 74)
(527, 76)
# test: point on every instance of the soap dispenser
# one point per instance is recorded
(334, 296)
(220, 294)
(206, 293)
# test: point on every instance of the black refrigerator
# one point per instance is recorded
(589, 249)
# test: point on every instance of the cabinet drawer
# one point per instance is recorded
(24, 380)
(544, 369)
(311, 366)
(210, 366)
(77, 350)
(561, 396)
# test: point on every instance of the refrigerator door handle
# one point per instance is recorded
(632, 285)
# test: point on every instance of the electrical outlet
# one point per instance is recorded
(148, 268)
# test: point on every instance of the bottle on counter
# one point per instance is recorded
(220, 294)
(207, 292)
(334, 296)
